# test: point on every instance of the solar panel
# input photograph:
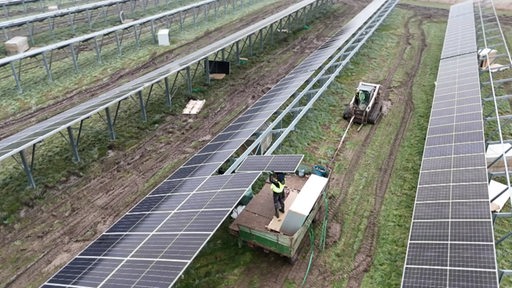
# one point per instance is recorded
(278, 163)
(451, 239)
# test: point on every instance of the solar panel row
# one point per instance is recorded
(451, 239)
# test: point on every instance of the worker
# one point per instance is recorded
(279, 175)
(362, 100)
(278, 194)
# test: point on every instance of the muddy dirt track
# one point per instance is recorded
(77, 211)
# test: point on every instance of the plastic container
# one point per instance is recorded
(248, 195)
(319, 170)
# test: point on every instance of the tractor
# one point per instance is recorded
(366, 106)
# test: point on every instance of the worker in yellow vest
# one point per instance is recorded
(278, 193)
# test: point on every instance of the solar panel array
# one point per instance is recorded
(57, 13)
(38, 132)
(277, 163)
(451, 242)
(154, 242)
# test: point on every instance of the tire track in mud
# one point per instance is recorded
(346, 180)
(365, 255)
(364, 258)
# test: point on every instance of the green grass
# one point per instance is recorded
(397, 208)
(319, 132)
(429, 4)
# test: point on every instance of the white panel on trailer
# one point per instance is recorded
(303, 204)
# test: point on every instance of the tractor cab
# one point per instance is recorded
(365, 107)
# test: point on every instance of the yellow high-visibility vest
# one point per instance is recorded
(277, 189)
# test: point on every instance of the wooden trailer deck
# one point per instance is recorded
(258, 214)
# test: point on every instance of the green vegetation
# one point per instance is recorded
(429, 4)
(394, 223)
(318, 135)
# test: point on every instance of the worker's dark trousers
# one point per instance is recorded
(279, 200)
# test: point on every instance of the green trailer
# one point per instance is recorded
(257, 226)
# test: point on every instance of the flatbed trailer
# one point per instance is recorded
(257, 226)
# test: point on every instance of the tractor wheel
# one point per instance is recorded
(375, 113)
(347, 114)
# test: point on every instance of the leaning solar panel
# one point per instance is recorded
(267, 163)
(451, 239)
(154, 242)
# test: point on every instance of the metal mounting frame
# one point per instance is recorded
(497, 122)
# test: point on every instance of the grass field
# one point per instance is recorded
(317, 136)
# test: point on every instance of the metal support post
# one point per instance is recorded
(261, 39)
(168, 99)
(74, 56)
(16, 78)
(28, 169)
(97, 48)
(142, 107)
(237, 45)
(271, 34)
(31, 33)
(250, 46)
(137, 36)
(207, 71)
(74, 145)
(189, 80)
(47, 67)
(111, 131)
(153, 31)
(118, 42)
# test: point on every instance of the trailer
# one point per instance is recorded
(257, 226)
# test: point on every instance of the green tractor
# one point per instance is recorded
(366, 106)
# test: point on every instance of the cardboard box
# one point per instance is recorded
(16, 45)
